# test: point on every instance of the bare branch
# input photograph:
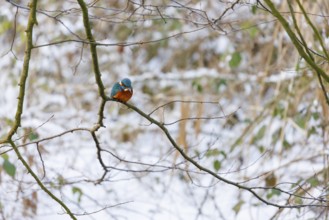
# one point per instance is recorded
(226, 10)
(251, 190)
(181, 101)
(123, 44)
(102, 209)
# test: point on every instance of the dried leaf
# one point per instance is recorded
(182, 125)
(197, 123)
(271, 180)
(181, 140)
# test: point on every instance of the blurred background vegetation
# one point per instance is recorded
(265, 116)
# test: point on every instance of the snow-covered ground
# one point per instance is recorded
(270, 119)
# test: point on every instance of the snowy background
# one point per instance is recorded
(265, 120)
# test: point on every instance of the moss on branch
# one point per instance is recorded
(295, 40)
(32, 20)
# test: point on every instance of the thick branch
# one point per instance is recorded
(93, 50)
(19, 110)
(315, 30)
(25, 71)
(30, 171)
(295, 40)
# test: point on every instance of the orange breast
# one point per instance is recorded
(123, 96)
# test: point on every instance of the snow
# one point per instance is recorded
(150, 178)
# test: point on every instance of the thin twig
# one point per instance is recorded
(294, 38)
(181, 101)
(123, 44)
(42, 162)
(32, 20)
(226, 10)
(210, 172)
(102, 209)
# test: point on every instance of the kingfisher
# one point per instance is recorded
(122, 91)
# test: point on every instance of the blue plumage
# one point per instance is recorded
(122, 90)
(126, 83)
(115, 89)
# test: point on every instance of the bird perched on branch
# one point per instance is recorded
(122, 91)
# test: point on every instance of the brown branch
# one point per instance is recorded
(102, 209)
(150, 166)
(164, 20)
(99, 156)
(47, 138)
(42, 162)
(75, 68)
(181, 101)
(44, 13)
(226, 10)
(201, 118)
(123, 44)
